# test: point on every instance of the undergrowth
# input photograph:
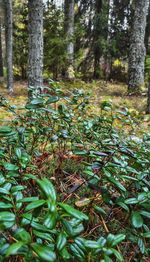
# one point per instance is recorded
(74, 185)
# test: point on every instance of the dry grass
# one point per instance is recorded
(100, 91)
(116, 92)
(18, 98)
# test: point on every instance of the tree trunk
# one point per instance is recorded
(69, 33)
(147, 33)
(137, 47)
(35, 59)
(108, 58)
(1, 52)
(9, 43)
(97, 48)
(148, 100)
(23, 72)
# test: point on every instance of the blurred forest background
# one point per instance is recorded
(83, 40)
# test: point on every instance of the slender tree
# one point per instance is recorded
(148, 100)
(9, 43)
(147, 33)
(147, 44)
(137, 47)
(108, 57)
(69, 33)
(1, 52)
(35, 59)
(20, 34)
(96, 38)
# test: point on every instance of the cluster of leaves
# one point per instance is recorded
(40, 228)
(37, 225)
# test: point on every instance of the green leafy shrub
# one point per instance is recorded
(40, 228)
(114, 189)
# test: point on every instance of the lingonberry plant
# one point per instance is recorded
(95, 162)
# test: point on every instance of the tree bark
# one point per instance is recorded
(108, 58)
(97, 48)
(148, 100)
(69, 33)
(137, 47)
(9, 43)
(35, 58)
(1, 52)
(147, 33)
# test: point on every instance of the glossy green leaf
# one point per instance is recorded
(137, 220)
(37, 101)
(28, 199)
(107, 259)
(51, 205)
(52, 99)
(3, 248)
(18, 196)
(81, 152)
(102, 241)
(4, 191)
(4, 205)
(17, 188)
(117, 184)
(10, 167)
(23, 235)
(5, 129)
(124, 206)
(131, 201)
(100, 210)
(50, 220)
(110, 239)
(77, 252)
(117, 254)
(68, 227)
(6, 224)
(61, 241)
(81, 243)
(73, 212)
(146, 235)
(44, 252)
(65, 254)
(39, 226)
(2, 179)
(145, 213)
(13, 249)
(47, 187)
(35, 204)
(118, 238)
(92, 244)
(141, 245)
(42, 235)
(7, 216)
(18, 152)
(77, 229)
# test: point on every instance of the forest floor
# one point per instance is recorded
(99, 91)
(66, 169)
